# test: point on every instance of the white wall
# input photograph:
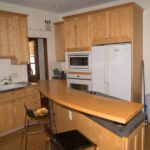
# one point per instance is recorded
(36, 22)
(146, 30)
(41, 59)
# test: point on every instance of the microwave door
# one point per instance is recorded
(78, 62)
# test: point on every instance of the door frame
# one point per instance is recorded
(47, 35)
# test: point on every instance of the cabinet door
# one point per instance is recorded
(70, 34)
(120, 24)
(22, 39)
(83, 33)
(6, 116)
(99, 28)
(59, 41)
(8, 43)
(19, 111)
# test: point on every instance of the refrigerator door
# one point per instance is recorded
(98, 62)
(120, 71)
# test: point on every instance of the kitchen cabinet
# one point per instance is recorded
(59, 41)
(77, 33)
(99, 28)
(6, 109)
(70, 34)
(8, 42)
(6, 115)
(120, 24)
(19, 97)
(111, 26)
(22, 41)
(18, 111)
(100, 135)
(12, 111)
(14, 37)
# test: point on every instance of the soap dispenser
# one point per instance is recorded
(10, 79)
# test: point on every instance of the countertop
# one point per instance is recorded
(25, 84)
(103, 107)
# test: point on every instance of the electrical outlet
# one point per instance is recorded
(70, 114)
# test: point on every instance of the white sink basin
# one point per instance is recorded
(11, 86)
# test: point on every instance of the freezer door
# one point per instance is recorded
(98, 61)
(119, 71)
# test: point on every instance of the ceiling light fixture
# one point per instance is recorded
(57, 5)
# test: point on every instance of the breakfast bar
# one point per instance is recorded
(73, 109)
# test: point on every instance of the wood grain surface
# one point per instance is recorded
(107, 108)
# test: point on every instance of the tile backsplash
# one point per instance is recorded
(17, 72)
(59, 65)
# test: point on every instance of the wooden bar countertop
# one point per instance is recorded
(107, 108)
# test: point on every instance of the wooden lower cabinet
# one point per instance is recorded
(6, 116)
(103, 138)
(12, 111)
(19, 111)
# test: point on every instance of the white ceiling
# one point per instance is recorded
(58, 6)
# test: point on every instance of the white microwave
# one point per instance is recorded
(78, 61)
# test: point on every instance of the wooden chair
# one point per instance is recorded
(32, 118)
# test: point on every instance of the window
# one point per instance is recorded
(33, 67)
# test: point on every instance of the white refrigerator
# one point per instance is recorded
(111, 70)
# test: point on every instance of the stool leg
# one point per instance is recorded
(24, 129)
(26, 133)
(46, 144)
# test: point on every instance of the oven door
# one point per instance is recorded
(80, 84)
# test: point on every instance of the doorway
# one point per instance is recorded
(38, 66)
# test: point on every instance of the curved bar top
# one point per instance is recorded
(107, 108)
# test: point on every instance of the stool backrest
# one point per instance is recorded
(29, 112)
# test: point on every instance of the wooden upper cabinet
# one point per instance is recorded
(99, 28)
(70, 34)
(120, 24)
(59, 41)
(8, 45)
(111, 26)
(22, 41)
(14, 37)
(83, 33)
(77, 33)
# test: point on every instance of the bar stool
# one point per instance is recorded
(70, 140)
(33, 118)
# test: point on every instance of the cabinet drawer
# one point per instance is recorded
(5, 96)
(19, 93)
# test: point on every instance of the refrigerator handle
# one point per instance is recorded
(106, 73)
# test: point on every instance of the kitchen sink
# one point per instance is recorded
(11, 86)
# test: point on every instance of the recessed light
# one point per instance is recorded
(57, 5)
